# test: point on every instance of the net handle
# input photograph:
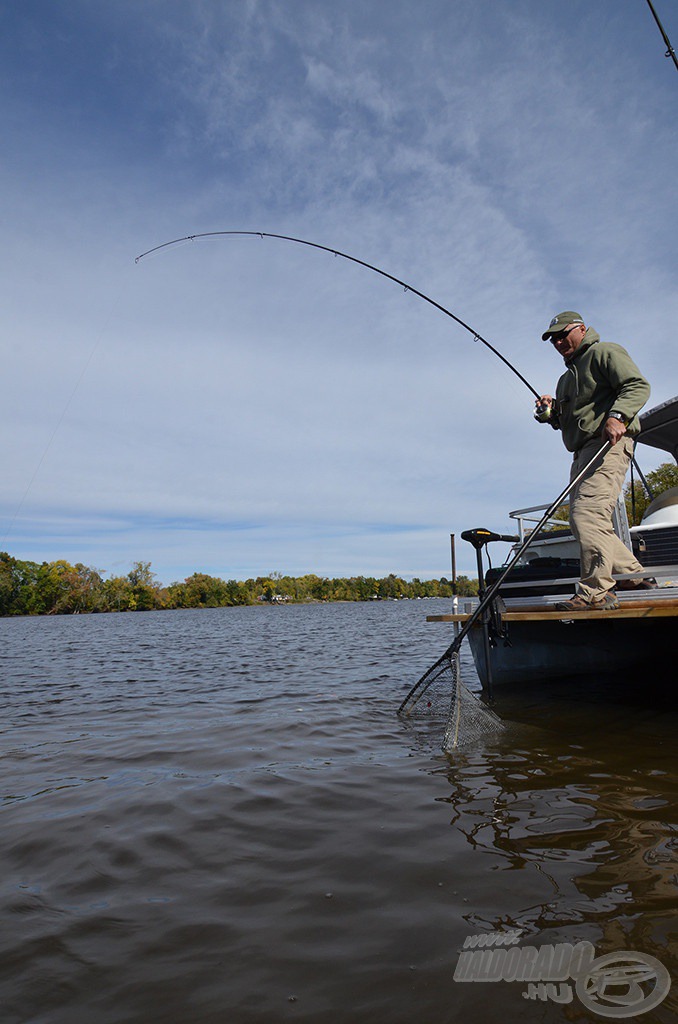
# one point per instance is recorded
(489, 594)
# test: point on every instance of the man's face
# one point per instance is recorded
(568, 341)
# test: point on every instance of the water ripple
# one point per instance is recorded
(217, 815)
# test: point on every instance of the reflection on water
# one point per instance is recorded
(217, 815)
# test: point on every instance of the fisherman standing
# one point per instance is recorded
(597, 399)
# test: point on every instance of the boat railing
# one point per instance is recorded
(525, 516)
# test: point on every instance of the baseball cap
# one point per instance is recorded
(560, 322)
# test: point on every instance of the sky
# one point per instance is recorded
(239, 406)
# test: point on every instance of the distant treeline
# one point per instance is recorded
(59, 588)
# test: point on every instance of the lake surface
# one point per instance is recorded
(216, 815)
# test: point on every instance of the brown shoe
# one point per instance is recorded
(575, 604)
(608, 602)
(649, 583)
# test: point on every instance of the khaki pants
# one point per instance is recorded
(591, 505)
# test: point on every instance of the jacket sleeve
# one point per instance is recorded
(630, 388)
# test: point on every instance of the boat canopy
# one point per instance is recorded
(659, 427)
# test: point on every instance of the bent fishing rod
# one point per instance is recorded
(670, 52)
(361, 263)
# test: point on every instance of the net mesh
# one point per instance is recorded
(440, 695)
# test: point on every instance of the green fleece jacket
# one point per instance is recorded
(600, 378)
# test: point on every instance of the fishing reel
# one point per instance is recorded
(543, 412)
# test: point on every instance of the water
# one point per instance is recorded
(216, 816)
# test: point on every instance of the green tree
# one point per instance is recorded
(201, 591)
(467, 587)
(267, 588)
(17, 586)
(391, 586)
(6, 583)
(53, 587)
(146, 591)
(27, 588)
(87, 588)
(118, 595)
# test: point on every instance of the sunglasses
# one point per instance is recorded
(561, 335)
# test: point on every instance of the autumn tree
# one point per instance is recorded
(147, 592)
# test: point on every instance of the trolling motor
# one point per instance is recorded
(493, 628)
(479, 538)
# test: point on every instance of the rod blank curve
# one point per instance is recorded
(361, 263)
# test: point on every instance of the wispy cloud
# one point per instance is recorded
(250, 405)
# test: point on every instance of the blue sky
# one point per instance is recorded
(242, 406)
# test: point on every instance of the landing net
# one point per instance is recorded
(468, 719)
(440, 695)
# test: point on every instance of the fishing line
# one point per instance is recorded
(361, 263)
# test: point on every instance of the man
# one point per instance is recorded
(597, 399)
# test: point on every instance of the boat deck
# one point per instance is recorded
(542, 612)
(540, 644)
(659, 603)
